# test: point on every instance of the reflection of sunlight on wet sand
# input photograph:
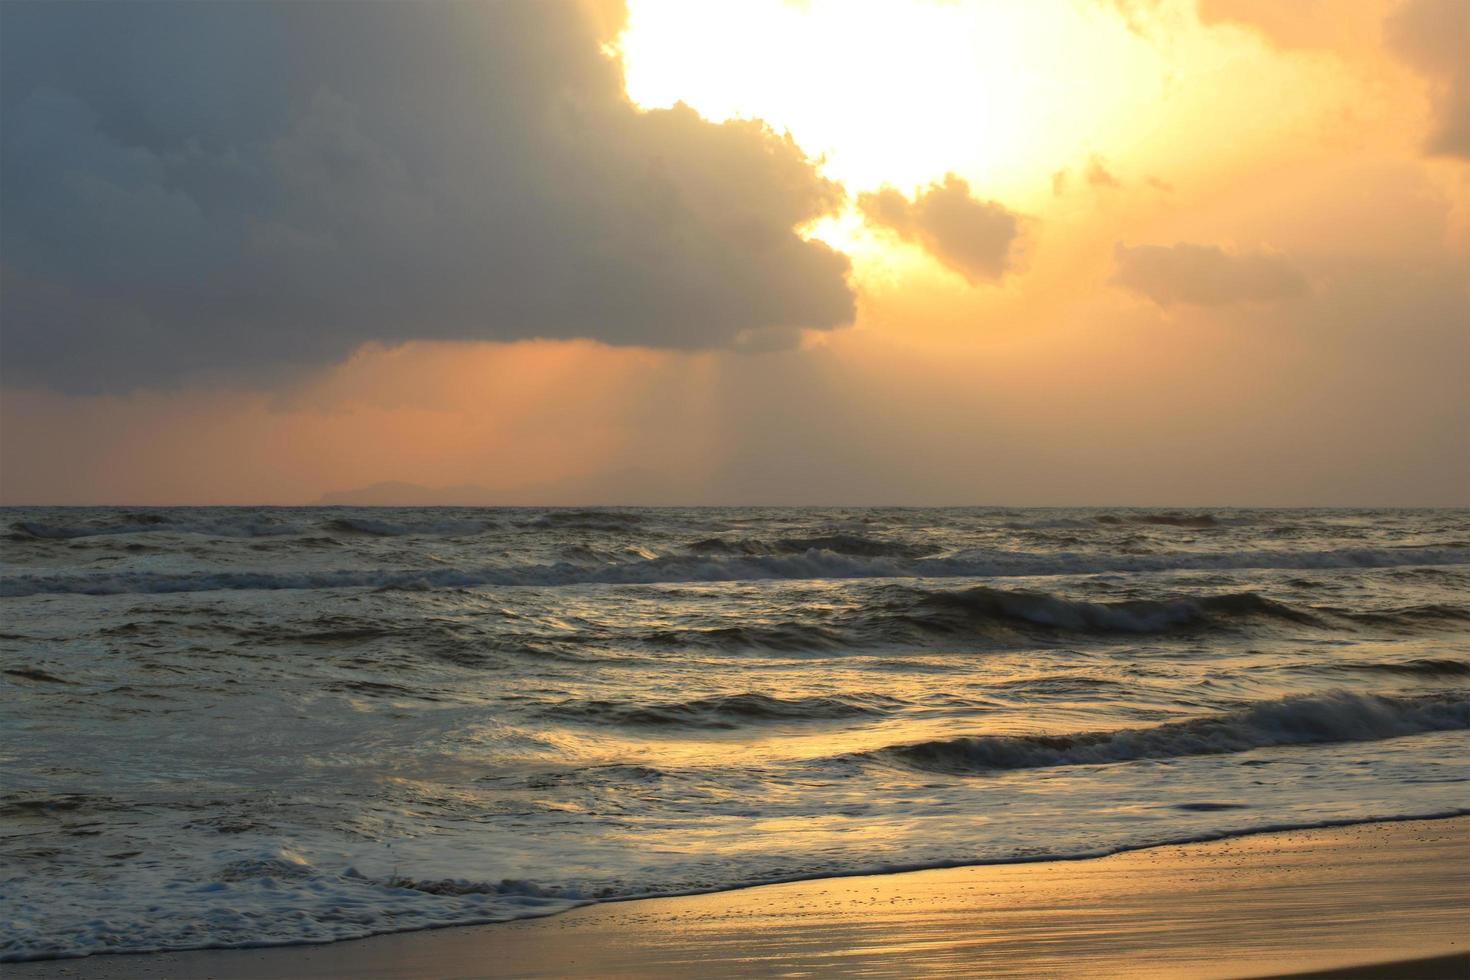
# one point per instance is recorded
(1361, 895)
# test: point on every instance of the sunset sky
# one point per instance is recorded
(1184, 252)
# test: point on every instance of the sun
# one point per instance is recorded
(1002, 93)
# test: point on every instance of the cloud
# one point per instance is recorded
(1098, 174)
(1433, 36)
(1293, 24)
(239, 188)
(969, 236)
(1204, 275)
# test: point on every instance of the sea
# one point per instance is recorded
(228, 727)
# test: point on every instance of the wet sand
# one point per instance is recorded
(1393, 898)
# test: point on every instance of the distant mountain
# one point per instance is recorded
(399, 494)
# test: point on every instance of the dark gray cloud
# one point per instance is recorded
(1204, 275)
(242, 187)
(972, 237)
(1433, 36)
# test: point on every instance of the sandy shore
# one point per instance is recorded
(1269, 904)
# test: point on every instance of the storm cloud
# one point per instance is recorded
(1204, 275)
(237, 188)
(969, 236)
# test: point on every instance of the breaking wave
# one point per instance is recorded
(1302, 720)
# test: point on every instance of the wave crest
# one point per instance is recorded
(728, 711)
(1302, 720)
(953, 611)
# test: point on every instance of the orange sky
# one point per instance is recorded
(1117, 253)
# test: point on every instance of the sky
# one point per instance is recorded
(1054, 252)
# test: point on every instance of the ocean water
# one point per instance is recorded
(228, 727)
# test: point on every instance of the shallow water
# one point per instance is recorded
(243, 726)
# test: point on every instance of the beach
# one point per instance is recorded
(630, 488)
(1394, 896)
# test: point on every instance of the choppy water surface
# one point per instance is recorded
(245, 726)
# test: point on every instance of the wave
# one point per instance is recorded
(1423, 666)
(586, 520)
(967, 609)
(1161, 520)
(838, 544)
(727, 711)
(143, 523)
(245, 525)
(1154, 519)
(138, 524)
(812, 564)
(380, 689)
(1051, 524)
(774, 636)
(904, 616)
(34, 674)
(32, 803)
(1430, 613)
(1301, 720)
(390, 529)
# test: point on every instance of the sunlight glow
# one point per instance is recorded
(1001, 93)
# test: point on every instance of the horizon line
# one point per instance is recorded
(318, 505)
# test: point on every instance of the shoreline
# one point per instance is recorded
(1373, 896)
